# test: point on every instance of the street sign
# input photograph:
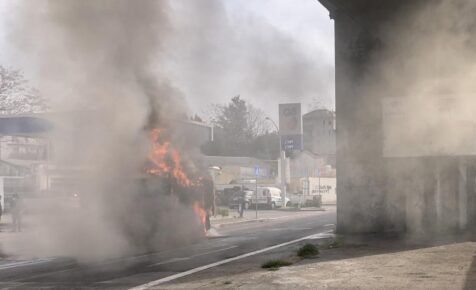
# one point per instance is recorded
(290, 126)
(256, 170)
(291, 142)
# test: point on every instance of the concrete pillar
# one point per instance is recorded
(360, 166)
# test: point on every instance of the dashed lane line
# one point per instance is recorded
(173, 260)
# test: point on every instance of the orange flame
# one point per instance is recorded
(165, 158)
(200, 213)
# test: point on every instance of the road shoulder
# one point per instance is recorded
(384, 264)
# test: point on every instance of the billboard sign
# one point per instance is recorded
(290, 121)
(290, 126)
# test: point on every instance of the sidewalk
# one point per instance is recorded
(6, 234)
(250, 216)
(364, 264)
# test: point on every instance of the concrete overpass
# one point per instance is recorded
(417, 194)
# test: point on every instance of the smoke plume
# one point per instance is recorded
(99, 61)
(119, 68)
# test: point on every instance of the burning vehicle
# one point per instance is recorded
(168, 176)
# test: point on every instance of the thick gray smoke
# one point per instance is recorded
(114, 65)
(218, 54)
(99, 61)
(427, 73)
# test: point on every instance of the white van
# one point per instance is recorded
(269, 197)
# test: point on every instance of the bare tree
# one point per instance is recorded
(16, 96)
(257, 123)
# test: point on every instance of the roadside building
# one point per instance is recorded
(241, 168)
(310, 175)
(319, 134)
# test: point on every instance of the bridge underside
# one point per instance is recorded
(415, 194)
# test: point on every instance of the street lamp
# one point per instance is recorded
(276, 126)
(282, 155)
(214, 171)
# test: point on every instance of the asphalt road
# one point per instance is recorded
(230, 241)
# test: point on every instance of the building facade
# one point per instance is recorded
(319, 134)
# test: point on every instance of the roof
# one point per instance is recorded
(14, 164)
(319, 112)
(25, 126)
(307, 152)
(233, 161)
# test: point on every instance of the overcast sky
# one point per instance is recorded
(267, 51)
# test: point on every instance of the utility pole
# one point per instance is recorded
(282, 158)
(256, 191)
(256, 206)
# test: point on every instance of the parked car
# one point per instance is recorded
(235, 200)
(269, 197)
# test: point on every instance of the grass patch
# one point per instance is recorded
(308, 251)
(223, 212)
(275, 264)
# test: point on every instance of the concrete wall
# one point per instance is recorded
(418, 195)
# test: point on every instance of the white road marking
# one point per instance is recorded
(25, 263)
(288, 229)
(173, 260)
(330, 225)
(205, 267)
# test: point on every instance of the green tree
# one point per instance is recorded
(233, 121)
(241, 130)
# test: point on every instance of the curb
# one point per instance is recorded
(242, 222)
(304, 209)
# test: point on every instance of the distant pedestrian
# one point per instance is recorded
(241, 203)
(208, 189)
(17, 212)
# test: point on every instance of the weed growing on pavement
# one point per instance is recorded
(275, 264)
(227, 282)
(308, 251)
(335, 243)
